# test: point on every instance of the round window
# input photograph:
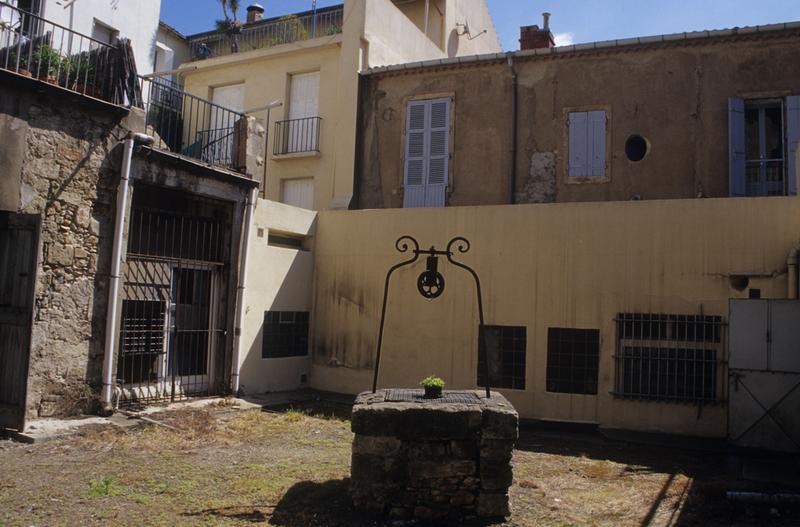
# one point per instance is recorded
(636, 147)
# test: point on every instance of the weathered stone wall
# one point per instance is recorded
(432, 461)
(674, 94)
(65, 168)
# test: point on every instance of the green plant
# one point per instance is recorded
(77, 69)
(333, 30)
(45, 60)
(432, 382)
(288, 29)
(101, 487)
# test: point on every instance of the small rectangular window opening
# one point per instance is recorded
(506, 346)
(573, 356)
(285, 334)
(287, 240)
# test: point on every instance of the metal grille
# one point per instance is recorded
(171, 332)
(269, 33)
(194, 127)
(418, 396)
(670, 357)
(297, 135)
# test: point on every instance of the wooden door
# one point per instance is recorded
(19, 238)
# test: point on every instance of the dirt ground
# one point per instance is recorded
(222, 466)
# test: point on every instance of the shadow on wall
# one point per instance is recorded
(294, 294)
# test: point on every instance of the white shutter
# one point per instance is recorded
(427, 153)
(218, 144)
(597, 143)
(301, 134)
(298, 192)
(578, 144)
(416, 144)
(438, 153)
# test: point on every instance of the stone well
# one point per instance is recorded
(432, 458)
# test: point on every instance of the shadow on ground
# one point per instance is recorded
(711, 474)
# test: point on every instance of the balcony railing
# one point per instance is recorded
(34, 47)
(297, 136)
(269, 33)
(190, 126)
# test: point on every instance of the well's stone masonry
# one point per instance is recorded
(430, 459)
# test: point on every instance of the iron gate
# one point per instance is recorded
(172, 319)
(19, 240)
(764, 374)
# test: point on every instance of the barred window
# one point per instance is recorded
(507, 347)
(669, 357)
(573, 356)
(285, 334)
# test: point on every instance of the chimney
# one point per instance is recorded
(531, 37)
(254, 13)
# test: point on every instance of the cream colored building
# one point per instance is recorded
(309, 62)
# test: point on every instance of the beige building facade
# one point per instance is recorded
(665, 117)
(308, 64)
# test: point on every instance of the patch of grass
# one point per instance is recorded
(293, 415)
(102, 487)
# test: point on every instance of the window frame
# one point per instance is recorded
(401, 180)
(481, 368)
(670, 341)
(264, 335)
(597, 367)
(583, 180)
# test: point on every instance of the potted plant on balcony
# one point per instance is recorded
(45, 63)
(77, 74)
(433, 387)
(22, 68)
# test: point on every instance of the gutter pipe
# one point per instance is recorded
(513, 176)
(240, 291)
(123, 190)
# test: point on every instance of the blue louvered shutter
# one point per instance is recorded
(438, 152)
(597, 143)
(736, 147)
(416, 155)
(578, 144)
(793, 142)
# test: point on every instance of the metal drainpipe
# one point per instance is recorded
(793, 262)
(513, 178)
(240, 298)
(116, 261)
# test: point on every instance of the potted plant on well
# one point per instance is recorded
(433, 386)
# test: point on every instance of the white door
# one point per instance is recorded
(217, 142)
(298, 192)
(301, 132)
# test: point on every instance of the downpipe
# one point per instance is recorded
(240, 291)
(123, 190)
(792, 263)
(514, 90)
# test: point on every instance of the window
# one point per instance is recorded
(506, 346)
(763, 139)
(104, 33)
(668, 357)
(427, 153)
(300, 133)
(572, 360)
(285, 334)
(587, 144)
(298, 192)
(286, 240)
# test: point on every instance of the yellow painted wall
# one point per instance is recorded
(277, 279)
(374, 33)
(556, 265)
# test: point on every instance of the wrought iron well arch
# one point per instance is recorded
(431, 284)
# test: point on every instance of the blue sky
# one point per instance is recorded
(573, 21)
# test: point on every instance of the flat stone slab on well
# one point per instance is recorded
(430, 459)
